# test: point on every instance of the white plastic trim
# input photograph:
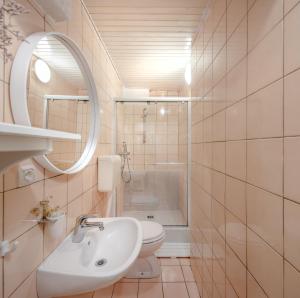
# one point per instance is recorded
(18, 95)
(8, 129)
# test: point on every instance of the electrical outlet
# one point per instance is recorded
(27, 175)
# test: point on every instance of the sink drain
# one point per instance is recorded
(100, 262)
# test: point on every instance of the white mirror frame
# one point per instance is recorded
(18, 95)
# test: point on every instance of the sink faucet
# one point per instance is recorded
(82, 224)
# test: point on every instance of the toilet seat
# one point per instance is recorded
(152, 232)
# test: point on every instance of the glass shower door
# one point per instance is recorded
(155, 171)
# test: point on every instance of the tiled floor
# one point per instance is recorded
(176, 281)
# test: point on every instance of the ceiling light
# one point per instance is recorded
(42, 71)
(188, 74)
(162, 111)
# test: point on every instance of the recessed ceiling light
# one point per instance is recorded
(42, 71)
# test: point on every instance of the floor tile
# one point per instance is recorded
(169, 261)
(187, 273)
(125, 290)
(172, 290)
(185, 261)
(150, 280)
(172, 274)
(192, 290)
(104, 293)
(150, 290)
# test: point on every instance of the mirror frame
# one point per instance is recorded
(18, 96)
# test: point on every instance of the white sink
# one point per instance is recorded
(72, 268)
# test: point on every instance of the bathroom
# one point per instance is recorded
(176, 119)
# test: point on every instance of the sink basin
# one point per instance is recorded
(101, 259)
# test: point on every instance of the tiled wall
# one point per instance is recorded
(161, 133)
(246, 150)
(75, 194)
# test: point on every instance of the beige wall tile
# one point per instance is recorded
(235, 198)
(265, 63)
(265, 265)
(291, 104)
(291, 232)
(291, 168)
(237, 45)
(262, 208)
(219, 36)
(17, 205)
(253, 288)
(265, 164)
(254, 150)
(219, 96)
(56, 191)
(236, 121)
(236, 11)
(27, 289)
(219, 126)
(24, 257)
(11, 176)
(262, 17)
(230, 292)
(219, 67)
(236, 236)
(291, 43)
(236, 273)
(237, 82)
(289, 4)
(218, 217)
(218, 186)
(75, 186)
(265, 112)
(236, 159)
(74, 210)
(219, 156)
(291, 281)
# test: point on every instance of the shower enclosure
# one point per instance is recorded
(156, 136)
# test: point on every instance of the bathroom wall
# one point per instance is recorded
(161, 133)
(245, 150)
(75, 194)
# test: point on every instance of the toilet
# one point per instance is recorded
(147, 264)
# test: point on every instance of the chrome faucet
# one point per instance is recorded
(82, 225)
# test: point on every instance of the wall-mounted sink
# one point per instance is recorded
(99, 260)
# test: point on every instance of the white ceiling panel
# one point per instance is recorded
(149, 40)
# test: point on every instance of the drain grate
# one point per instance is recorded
(100, 262)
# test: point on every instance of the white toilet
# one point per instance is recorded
(147, 265)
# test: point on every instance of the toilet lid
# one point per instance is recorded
(152, 231)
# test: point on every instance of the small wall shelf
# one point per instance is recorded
(18, 142)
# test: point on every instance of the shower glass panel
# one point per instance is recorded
(152, 139)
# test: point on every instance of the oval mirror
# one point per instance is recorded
(52, 87)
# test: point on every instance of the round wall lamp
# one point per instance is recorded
(42, 71)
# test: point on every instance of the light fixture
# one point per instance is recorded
(188, 74)
(162, 111)
(42, 71)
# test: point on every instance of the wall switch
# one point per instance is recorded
(27, 175)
